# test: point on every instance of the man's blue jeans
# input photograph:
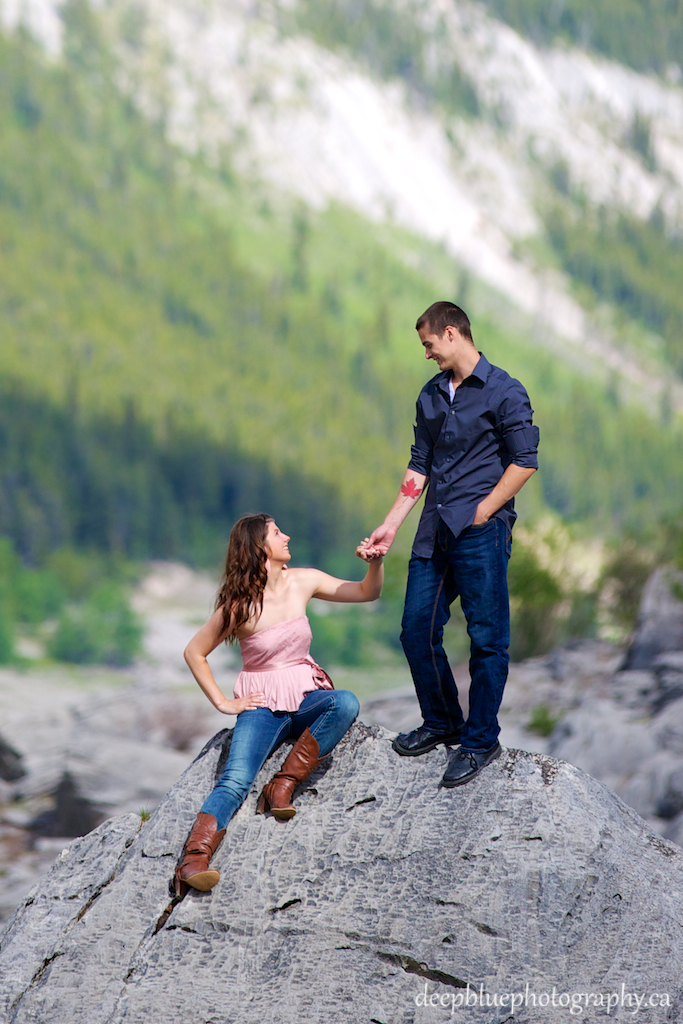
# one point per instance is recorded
(327, 713)
(473, 566)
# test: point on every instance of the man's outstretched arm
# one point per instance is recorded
(381, 539)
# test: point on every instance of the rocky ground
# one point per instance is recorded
(81, 745)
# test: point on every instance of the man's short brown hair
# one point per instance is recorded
(441, 315)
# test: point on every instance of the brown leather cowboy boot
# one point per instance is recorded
(298, 765)
(202, 843)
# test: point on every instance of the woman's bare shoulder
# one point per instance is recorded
(302, 574)
(304, 579)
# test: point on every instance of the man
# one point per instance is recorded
(476, 445)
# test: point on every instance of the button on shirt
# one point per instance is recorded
(465, 444)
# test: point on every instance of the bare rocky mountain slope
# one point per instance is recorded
(385, 890)
(227, 78)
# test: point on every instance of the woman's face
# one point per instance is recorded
(277, 544)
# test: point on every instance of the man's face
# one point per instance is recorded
(442, 349)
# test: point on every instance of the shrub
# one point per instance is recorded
(38, 595)
(341, 637)
(78, 572)
(6, 636)
(76, 638)
(535, 599)
(542, 721)
(104, 630)
(623, 579)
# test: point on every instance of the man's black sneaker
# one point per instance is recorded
(466, 764)
(419, 741)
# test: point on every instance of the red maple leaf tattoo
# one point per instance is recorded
(410, 489)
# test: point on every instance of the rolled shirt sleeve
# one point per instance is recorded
(515, 423)
(421, 453)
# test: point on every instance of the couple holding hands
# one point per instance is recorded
(475, 446)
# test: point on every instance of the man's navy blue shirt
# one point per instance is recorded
(464, 446)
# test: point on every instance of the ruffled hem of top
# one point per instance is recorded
(284, 688)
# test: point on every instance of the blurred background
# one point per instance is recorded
(219, 220)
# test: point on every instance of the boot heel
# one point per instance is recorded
(180, 887)
(276, 795)
(202, 843)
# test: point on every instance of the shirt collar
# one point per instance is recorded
(481, 371)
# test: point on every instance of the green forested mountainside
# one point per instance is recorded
(391, 42)
(87, 481)
(645, 34)
(633, 264)
(119, 276)
(177, 347)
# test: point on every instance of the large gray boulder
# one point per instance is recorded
(11, 767)
(660, 619)
(384, 893)
(638, 755)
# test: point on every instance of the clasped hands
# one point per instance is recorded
(381, 539)
(377, 544)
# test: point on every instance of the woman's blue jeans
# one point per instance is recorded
(327, 713)
(473, 566)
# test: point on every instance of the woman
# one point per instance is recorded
(281, 693)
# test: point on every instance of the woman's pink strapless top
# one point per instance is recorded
(277, 663)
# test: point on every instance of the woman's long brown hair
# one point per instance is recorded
(245, 575)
